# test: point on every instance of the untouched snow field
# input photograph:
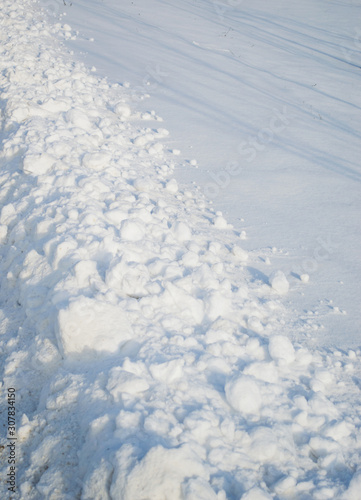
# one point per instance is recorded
(153, 355)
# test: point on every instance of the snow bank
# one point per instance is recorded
(146, 361)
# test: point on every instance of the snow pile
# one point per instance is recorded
(147, 363)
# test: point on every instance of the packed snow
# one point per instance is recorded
(151, 355)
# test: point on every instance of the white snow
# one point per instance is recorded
(155, 353)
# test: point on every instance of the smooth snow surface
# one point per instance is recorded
(265, 96)
(153, 354)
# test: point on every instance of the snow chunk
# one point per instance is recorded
(256, 494)
(217, 305)
(159, 475)
(38, 164)
(279, 283)
(182, 231)
(8, 214)
(3, 233)
(121, 381)
(264, 444)
(79, 119)
(354, 488)
(239, 253)
(339, 430)
(199, 489)
(243, 395)
(267, 372)
(131, 230)
(172, 186)
(167, 372)
(128, 278)
(96, 161)
(143, 184)
(281, 349)
(87, 327)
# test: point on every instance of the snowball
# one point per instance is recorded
(131, 230)
(279, 283)
(220, 222)
(243, 395)
(123, 110)
(305, 278)
(87, 327)
(281, 349)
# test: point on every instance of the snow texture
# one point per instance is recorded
(147, 361)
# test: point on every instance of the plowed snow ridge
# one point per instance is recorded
(145, 363)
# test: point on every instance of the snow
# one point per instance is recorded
(155, 353)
